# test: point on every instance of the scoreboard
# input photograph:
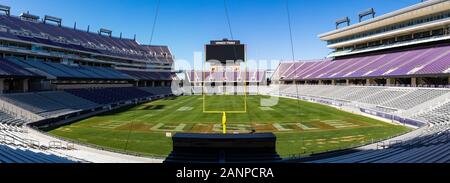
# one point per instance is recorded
(225, 51)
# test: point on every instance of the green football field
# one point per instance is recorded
(301, 127)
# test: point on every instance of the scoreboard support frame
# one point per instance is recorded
(244, 88)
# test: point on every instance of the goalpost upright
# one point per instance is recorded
(224, 55)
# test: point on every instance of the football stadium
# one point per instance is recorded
(71, 95)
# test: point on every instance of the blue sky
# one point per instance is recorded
(186, 25)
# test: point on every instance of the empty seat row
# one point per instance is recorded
(431, 146)
(438, 115)
(48, 104)
(10, 154)
(81, 40)
(59, 70)
(8, 122)
(110, 95)
(422, 61)
(158, 90)
(386, 98)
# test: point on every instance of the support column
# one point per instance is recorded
(414, 82)
(390, 81)
(25, 85)
(347, 82)
(370, 82)
(153, 83)
(333, 82)
(2, 85)
(320, 82)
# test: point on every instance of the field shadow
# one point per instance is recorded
(153, 107)
(116, 111)
(170, 98)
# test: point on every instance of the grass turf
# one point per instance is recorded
(301, 127)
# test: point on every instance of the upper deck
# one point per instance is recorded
(426, 15)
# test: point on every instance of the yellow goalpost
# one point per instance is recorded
(224, 112)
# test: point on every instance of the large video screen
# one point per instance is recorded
(224, 53)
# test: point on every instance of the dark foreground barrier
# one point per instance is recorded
(223, 148)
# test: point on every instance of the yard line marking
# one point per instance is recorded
(304, 127)
(169, 128)
(266, 108)
(279, 127)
